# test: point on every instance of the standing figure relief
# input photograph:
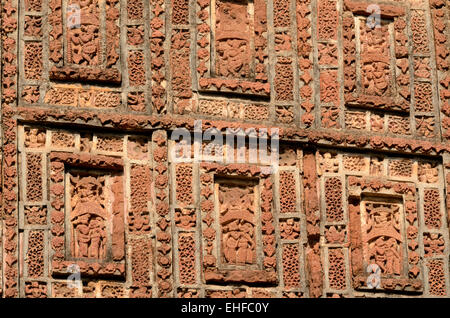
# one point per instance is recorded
(88, 217)
(238, 225)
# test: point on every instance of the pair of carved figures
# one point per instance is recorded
(238, 228)
(88, 217)
(384, 238)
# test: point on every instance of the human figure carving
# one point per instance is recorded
(88, 218)
(433, 243)
(98, 237)
(246, 247)
(378, 253)
(375, 80)
(376, 165)
(428, 173)
(375, 65)
(232, 40)
(237, 225)
(230, 242)
(35, 138)
(81, 225)
(185, 218)
(290, 229)
(392, 257)
(315, 271)
(383, 237)
(328, 163)
(84, 43)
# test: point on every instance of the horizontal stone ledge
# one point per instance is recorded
(241, 276)
(142, 123)
(83, 74)
(386, 10)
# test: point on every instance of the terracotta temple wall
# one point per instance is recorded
(92, 91)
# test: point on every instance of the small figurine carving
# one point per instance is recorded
(34, 138)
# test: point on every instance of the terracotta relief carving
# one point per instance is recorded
(383, 237)
(237, 220)
(93, 89)
(375, 60)
(240, 256)
(237, 62)
(84, 42)
(384, 232)
(233, 36)
(83, 57)
(88, 216)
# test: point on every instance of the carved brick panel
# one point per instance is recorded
(86, 54)
(81, 217)
(92, 225)
(231, 46)
(377, 62)
(237, 225)
(383, 238)
(84, 40)
(92, 90)
(390, 215)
